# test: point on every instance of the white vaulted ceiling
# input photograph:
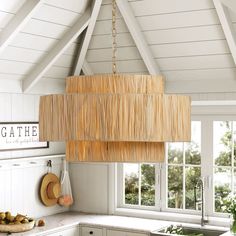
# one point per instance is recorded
(184, 37)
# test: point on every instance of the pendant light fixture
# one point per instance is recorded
(115, 117)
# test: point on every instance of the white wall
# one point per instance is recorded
(20, 178)
(24, 107)
(19, 182)
(90, 187)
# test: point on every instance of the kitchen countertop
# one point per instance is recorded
(69, 219)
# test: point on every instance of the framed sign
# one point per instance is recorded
(20, 135)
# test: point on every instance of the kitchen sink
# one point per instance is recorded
(187, 231)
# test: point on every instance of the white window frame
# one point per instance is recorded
(207, 171)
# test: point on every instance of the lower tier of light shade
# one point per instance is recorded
(85, 151)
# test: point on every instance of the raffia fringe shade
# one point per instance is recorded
(86, 151)
(119, 118)
(115, 117)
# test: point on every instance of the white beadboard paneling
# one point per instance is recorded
(36, 107)
(190, 49)
(5, 19)
(10, 76)
(105, 41)
(166, 21)
(162, 51)
(45, 86)
(5, 107)
(20, 181)
(57, 72)
(201, 86)
(29, 107)
(122, 66)
(70, 5)
(104, 27)
(11, 6)
(141, 8)
(46, 29)
(169, 36)
(17, 107)
(32, 56)
(33, 42)
(158, 7)
(196, 62)
(125, 53)
(90, 187)
(207, 74)
(49, 86)
(56, 15)
(167, 64)
(16, 67)
(23, 68)
(40, 43)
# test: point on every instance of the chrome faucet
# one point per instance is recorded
(200, 185)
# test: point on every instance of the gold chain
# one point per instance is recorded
(114, 33)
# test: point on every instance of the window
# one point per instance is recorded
(184, 170)
(224, 161)
(172, 186)
(139, 184)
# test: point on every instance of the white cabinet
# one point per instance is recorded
(91, 231)
(123, 233)
(67, 232)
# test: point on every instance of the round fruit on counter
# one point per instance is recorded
(15, 224)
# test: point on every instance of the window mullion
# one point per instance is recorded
(207, 164)
(139, 184)
(184, 182)
(157, 187)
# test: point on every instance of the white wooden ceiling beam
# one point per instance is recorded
(227, 25)
(70, 36)
(138, 37)
(86, 68)
(87, 37)
(18, 22)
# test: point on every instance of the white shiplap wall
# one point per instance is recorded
(19, 182)
(24, 107)
(19, 179)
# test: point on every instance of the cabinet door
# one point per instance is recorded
(91, 231)
(123, 233)
(67, 232)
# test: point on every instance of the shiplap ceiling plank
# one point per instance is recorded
(11, 6)
(32, 56)
(87, 68)
(82, 50)
(157, 37)
(227, 26)
(18, 22)
(44, 44)
(78, 6)
(162, 51)
(204, 74)
(169, 64)
(229, 3)
(57, 51)
(138, 37)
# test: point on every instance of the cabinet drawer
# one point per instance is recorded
(123, 233)
(91, 231)
(67, 232)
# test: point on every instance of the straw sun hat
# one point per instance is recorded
(50, 189)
